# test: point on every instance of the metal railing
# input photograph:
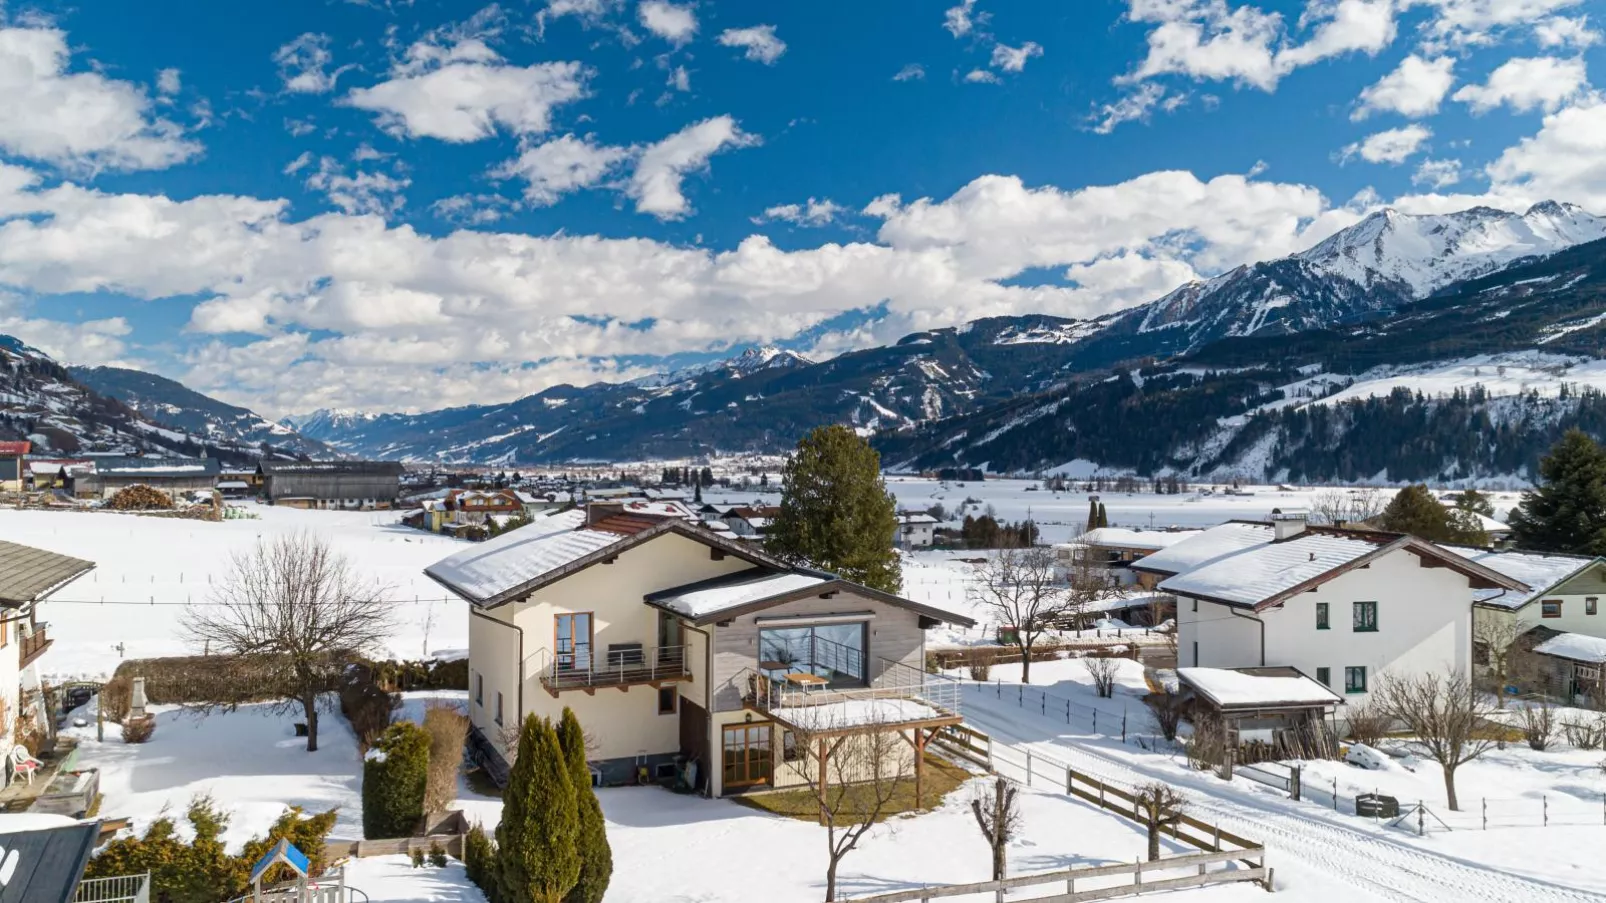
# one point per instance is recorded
(619, 665)
(896, 680)
(119, 889)
(812, 655)
(32, 644)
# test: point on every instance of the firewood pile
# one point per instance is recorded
(139, 498)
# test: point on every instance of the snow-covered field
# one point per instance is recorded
(149, 568)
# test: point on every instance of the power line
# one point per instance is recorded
(154, 603)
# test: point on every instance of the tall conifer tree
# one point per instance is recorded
(1566, 512)
(836, 513)
(596, 856)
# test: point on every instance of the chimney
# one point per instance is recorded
(1287, 525)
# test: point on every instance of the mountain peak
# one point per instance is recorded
(762, 357)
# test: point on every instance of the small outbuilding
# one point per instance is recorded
(1267, 713)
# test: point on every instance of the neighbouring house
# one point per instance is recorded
(686, 652)
(1345, 606)
(1115, 551)
(1269, 713)
(541, 502)
(42, 474)
(1566, 666)
(476, 506)
(751, 523)
(12, 472)
(28, 576)
(915, 531)
(174, 476)
(337, 485)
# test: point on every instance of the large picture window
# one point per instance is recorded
(835, 652)
(573, 644)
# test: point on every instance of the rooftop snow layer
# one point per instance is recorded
(1575, 646)
(701, 603)
(1250, 576)
(852, 713)
(1238, 688)
(1203, 548)
(491, 568)
(1122, 537)
(1540, 572)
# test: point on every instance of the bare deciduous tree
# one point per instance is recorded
(1022, 588)
(1442, 711)
(1493, 639)
(1538, 723)
(298, 608)
(1346, 506)
(1159, 806)
(1103, 670)
(1167, 712)
(998, 815)
(1368, 723)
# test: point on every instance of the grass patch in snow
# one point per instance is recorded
(941, 779)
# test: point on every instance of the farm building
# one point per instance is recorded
(173, 476)
(332, 484)
(11, 455)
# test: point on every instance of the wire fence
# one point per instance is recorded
(1117, 721)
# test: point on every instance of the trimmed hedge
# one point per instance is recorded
(394, 775)
(366, 705)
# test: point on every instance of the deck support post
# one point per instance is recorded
(824, 757)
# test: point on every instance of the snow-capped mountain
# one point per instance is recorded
(47, 404)
(179, 407)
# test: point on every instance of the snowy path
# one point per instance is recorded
(1387, 869)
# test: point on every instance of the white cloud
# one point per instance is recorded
(663, 166)
(1470, 23)
(1561, 31)
(1342, 27)
(1414, 89)
(679, 79)
(1527, 83)
(759, 41)
(561, 166)
(1437, 174)
(169, 82)
(811, 213)
(1565, 160)
(357, 192)
(911, 72)
(298, 164)
(589, 12)
(675, 24)
(82, 122)
(1013, 59)
(1134, 106)
(89, 342)
(303, 63)
(464, 91)
(471, 209)
(299, 127)
(981, 77)
(962, 18)
(1393, 146)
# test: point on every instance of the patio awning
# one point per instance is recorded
(28, 574)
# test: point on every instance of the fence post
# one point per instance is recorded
(1028, 768)
(1137, 873)
(1485, 813)
(1070, 780)
(1293, 784)
(1421, 817)
(1335, 794)
(1545, 800)
(1044, 705)
(1123, 725)
(1067, 711)
(990, 766)
(1095, 721)
(1021, 696)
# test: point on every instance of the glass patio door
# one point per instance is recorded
(573, 646)
(747, 755)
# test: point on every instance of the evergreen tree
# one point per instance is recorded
(697, 490)
(393, 778)
(1092, 514)
(1104, 517)
(1566, 512)
(596, 857)
(836, 512)
(708, 476)
(1414, 510)
(537, 841)
(1474, 501)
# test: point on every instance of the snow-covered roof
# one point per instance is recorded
(856, 713)
(724, 595)
(1232, 689)
(1577, 647)
(916, 519)
(1127, 538)
(1490, 525)
(1205, 547)
(508, 561)
(233, 484)
(1540, 572)
(1253, 575)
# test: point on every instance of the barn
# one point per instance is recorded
(340, 485)
(173, 476)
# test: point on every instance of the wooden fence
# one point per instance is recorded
(1188, 830)
(362, 849)
(1198, 863)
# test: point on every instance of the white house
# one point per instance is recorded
(686, 652)
(916, 531)
(27, 577)
(1115, 550)
(1342, 606)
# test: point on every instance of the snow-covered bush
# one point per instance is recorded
(138, 730)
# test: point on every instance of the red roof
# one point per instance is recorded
(17, 449)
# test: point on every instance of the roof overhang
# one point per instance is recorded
(834, 585)
(29, 575)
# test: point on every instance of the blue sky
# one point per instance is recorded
(403, 206)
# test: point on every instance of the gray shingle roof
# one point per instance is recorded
(28, 574)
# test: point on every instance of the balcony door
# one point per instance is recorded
(573, 641)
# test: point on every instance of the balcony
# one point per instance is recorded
(621, 665)
(898, 698)
(32, 643)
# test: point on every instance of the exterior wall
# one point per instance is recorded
(1574, 596)
(803, 769)
(895, 635)
(110, 484)
(11, 471)
(1222, 639)
(365, 489)
(10, 679)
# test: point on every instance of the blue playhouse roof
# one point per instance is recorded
(284, 851)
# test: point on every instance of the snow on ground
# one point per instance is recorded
(392, 879)
(173, 562)
(1308, 841)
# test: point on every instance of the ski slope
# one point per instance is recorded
(1309, 853)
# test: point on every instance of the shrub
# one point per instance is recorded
(447, 727)
(1538, 724)
(1585, 733)
(394, 775)
(596, 855)
(479, 860)
(537, 841)
(1367, 723)
(1103, 670)
(139, 497)
(116, 698)
(203, 679)
(306, 832)
(417, 856)
(138, 730)
(437, 855)
(1167, 712)
(365, 704)
(981, 664)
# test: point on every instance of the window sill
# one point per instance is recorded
(1349, 692)
(1364, 630)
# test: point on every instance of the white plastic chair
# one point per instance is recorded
(22, 763)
